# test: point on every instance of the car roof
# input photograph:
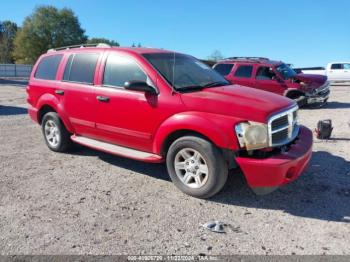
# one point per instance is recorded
(249, 60)
(104, 47)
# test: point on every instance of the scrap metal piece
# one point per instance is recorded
(215, 226)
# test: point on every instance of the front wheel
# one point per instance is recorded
(196, 166)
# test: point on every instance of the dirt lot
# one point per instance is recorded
(88, 202)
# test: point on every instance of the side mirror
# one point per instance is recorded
(140, 86)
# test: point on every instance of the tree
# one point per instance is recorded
(138, 45)
(215, 56)
(47, 27)
(8, 31)
(96, 40)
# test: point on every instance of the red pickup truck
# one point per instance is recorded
(159, 106)
(276, 77)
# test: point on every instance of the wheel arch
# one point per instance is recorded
(178, 134)
(294, 93)
(49, 103)
(186, 124)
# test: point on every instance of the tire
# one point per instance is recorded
(191, 168)
(56, 136)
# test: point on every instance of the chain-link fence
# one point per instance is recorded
(15, 70)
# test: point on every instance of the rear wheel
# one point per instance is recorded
(196, 166)
(56, 135)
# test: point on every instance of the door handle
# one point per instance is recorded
(59, 92)
(103, 98)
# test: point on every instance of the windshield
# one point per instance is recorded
(184, 72)
(285, 71)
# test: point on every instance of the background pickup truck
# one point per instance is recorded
(335, 71)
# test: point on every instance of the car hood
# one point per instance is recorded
(312, 81)
(237, 101)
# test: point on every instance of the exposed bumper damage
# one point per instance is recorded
(266, 175)
(320, 95)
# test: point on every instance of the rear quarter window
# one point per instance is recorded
(223, 69)
(80, 68)
(244, 71)
(47, 67)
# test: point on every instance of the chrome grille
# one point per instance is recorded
(280, 136)
(279, 122)
(283, 127)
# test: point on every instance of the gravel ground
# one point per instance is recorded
(88, 202)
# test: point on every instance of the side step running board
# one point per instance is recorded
(117, 150)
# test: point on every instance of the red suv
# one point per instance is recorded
(276, 77)
(155, 105)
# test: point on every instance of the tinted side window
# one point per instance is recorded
(336, 66)
(223, 69)
(244, 71)
(81, 68)
(120, 69)
(47, 67)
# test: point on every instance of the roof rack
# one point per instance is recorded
(246, 58)
(99, 45)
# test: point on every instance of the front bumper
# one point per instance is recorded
(320, 96)
(266, 175)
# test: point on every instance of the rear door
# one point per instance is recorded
(78, 91)
(242, 75)
(336, 72)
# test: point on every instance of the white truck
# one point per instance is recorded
(335, 71)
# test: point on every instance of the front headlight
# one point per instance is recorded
(252, 135)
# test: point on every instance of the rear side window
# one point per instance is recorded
(47, 67)
(346, 66)
(81, 68)
(223, 69)
(337, 66)
(120, 69)
(244, 71)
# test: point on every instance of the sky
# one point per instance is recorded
(301, 32)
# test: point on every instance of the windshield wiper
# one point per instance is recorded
(217, 83)
(190, 88)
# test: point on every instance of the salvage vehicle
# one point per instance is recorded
(275, 76)
(335, 71)
(158, 106)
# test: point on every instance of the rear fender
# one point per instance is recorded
(52, 101)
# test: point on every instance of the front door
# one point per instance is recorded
(125, 117)
(267, 80)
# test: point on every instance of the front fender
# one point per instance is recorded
(52, 101)
(217, 128)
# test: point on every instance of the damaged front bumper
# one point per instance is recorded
(320, 95)
(266, 175)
